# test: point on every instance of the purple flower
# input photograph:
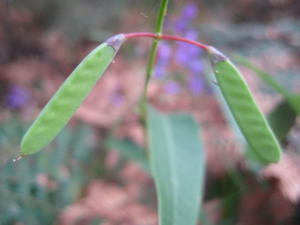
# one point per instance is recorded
(164, 51)
(160, 70)
(196, 84)
(196, 66)
(181, 54)
(181, 25)
(164, 56)
(186, 52)
(172, 88)
(192, 34)
(17, 97)
(190, 11)
(186, 55)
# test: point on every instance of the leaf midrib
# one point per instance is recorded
(170, 145)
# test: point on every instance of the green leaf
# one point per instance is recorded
(177, 164)
(281, 119)
(130, 151)
(263, 75)
(293, 99)
(59, 110)
(244, 108)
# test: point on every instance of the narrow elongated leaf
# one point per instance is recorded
(293, 99)
(267, 78)
(244, 108)
(282, 119)
(177, 164)
(69, 96)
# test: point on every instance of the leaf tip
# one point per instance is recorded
(116, 41)
(215, 55)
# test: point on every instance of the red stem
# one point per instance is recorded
(166, 37)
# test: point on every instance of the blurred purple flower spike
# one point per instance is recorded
(164, 51)
(181, 25)
(185, 52)
(192, 34)
(190, 11)
(186, 55)
(160, 71)
(164, 56)
(196, 66)
(17, 97)
(196, 84)
(172, 88)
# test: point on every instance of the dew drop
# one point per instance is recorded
(17, 159)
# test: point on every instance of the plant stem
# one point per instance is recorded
(157, 37)
(150, 67)
(166, 37)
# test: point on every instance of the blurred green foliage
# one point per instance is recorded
(36, 188)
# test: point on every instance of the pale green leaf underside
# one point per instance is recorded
(177, 164)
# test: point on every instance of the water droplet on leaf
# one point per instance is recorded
(17, 159)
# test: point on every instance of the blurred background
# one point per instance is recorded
(95, 171)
